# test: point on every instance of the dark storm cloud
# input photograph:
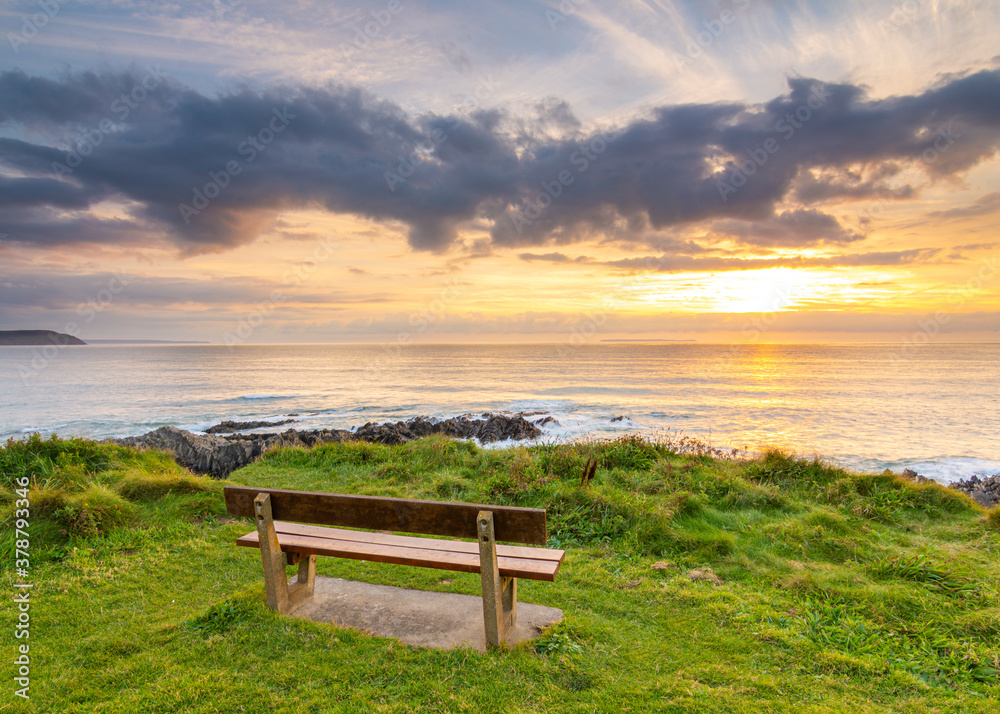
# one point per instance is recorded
(46, 227)
(42, 192)
(30, 100)
(156, 147)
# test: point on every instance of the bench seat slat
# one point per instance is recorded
(408, 551)
(514, 551)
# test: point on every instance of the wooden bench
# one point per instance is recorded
(293, 528)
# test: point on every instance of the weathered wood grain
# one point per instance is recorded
(273, 560)
(499, 593)
(454, 520)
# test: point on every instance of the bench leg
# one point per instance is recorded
(271, 556)
(307, 572)
(499, 594)
(281, 597)
(305, 582)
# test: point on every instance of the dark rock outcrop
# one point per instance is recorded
(984, 491)
(913, 476)
(228, 427)
(211, 455)
(488, 429)
(219, 456)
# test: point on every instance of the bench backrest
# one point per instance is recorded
(456, 520)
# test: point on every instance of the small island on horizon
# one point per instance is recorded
(22, 338)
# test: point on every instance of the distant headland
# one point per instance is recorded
(37, 337)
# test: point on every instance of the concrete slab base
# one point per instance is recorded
(416, 617)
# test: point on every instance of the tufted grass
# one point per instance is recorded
(839, 591)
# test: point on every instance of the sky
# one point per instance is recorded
(404, 171)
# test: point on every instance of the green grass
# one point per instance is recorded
(840, 591)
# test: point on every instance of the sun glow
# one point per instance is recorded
(768, 290)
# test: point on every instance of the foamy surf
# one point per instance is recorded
(940, 421)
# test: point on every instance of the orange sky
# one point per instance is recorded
(912, 246)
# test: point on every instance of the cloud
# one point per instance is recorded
(550, 257)
(673, 263)
(47, 227)
(239, 159)
(983, 206)
(68, 291)
(851, 184)
(800, 227)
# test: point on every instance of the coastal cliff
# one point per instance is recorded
(29, 338)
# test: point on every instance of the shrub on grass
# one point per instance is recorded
(438, 451)
(882, 504)
(362, 452)
(761, 497)
(329, 455)
(392, 471)
(144, 486)
(582, 519)
(981, 622)
(685, 503)
(220, 617)
(562, 462)
(936, 499)
(834, 623)
(832, 521)
(522, 467)
(450, 488)
(887, 497)
(510, 474)
(41, 458)
(95, 511)
(700, 541)
(46, 501)
(631, 451)
(561, 638)
(993, 518)
(918, 568)
(787, 471)
(729, 490)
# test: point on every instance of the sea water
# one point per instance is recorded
(932, 408)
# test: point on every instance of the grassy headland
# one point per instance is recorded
(827, 590)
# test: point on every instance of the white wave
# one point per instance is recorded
(43, 429)
(539, 405)
(949, 470)
(269, 396)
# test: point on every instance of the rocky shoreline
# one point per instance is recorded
(228, 427)
(985, 491)
(218, 456)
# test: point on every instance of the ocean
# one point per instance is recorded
(934, 408)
